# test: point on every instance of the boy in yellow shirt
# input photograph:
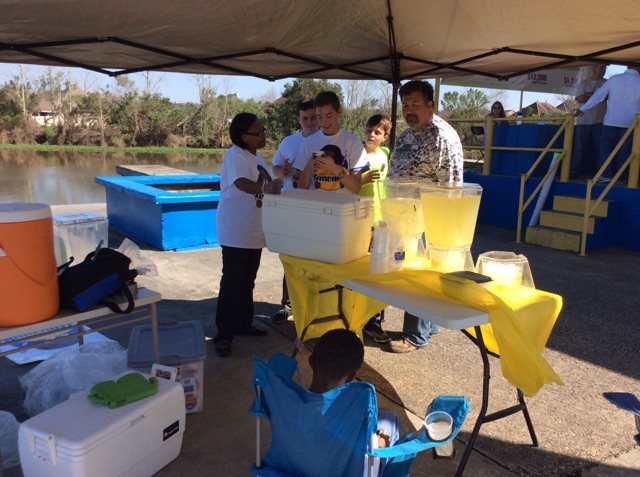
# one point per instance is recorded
(376, 132)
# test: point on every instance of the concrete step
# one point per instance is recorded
(553, 238)
(566, 221)
(565, 203)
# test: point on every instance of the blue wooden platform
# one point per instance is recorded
(175, 212)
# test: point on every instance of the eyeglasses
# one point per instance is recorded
(496, 107)
(257, 134)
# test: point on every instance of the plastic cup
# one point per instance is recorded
(439, 425)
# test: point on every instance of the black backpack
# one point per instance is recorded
(103, 273)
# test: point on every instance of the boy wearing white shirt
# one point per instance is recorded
(288, 148)
(328, 112)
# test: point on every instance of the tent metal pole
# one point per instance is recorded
(394, 113)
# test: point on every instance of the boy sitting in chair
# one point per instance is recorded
(335, 360)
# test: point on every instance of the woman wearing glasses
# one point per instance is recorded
(497, 111)
(243, 182)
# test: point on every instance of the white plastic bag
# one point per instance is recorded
(9, 426)
(68, 371)
(143, 265)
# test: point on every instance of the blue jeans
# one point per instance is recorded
(611, 136)
(586, 144)
(417, 331)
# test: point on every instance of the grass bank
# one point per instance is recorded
(145, 150)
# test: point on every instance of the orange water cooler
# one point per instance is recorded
(28, 273)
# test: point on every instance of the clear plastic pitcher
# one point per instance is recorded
(506, 269)
(450, 214)
(402, 212)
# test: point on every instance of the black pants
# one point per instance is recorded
(234, 313)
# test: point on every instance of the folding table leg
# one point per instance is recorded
(485, 402)
(482, 416)
(340, 316)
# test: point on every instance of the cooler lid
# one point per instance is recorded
(317, 201)
(78, 425)
(180, 343)
(11, 212)
(77, 218)
(466, 189)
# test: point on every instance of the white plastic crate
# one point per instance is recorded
(182, 345)
(318, 225)
(78, 438)
(77, 234)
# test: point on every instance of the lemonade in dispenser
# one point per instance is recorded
(450, 215)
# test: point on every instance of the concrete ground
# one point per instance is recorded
(594, 348)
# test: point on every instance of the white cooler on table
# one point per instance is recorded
(78, 438)
(318, 225)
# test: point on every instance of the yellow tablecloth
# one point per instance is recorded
(521, 319)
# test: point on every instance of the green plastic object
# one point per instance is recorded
(129, 388)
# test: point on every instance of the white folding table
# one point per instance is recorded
(454, 317)
(98, 318)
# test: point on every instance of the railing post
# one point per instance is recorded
(568, 147)
(523, 179)
(634, 166)
(488, 143)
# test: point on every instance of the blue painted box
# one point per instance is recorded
(168, 212)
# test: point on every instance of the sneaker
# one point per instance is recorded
(281, 315)
(223, 348)
(375, 331)
(401, 346)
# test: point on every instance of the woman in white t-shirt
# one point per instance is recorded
(243, 182)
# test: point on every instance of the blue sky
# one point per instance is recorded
(182, 88)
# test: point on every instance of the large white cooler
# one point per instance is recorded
(77, 234)
(318, 225)
(78, 438)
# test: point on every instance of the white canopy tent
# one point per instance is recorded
(392, 40)
(560, 81)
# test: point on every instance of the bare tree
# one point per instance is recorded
(20, 88)
(152, 82)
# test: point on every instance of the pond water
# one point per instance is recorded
(60, 178)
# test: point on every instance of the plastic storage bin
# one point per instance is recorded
(325, 226)
(181, 345)
(78, 438)
(28, 275)
(78, 234)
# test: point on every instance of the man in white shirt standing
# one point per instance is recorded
(586, 137)
(622, 93)
(282, 166)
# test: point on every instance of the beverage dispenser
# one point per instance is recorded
(450, 215)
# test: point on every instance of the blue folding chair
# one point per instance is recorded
(324, 435)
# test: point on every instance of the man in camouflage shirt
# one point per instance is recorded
(428, 149)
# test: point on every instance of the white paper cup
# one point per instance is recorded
(439, 425)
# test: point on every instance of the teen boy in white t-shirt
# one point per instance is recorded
(288, 148)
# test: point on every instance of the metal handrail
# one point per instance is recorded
(632, 162)
(564, 160)
(488, 146)
(567, 125)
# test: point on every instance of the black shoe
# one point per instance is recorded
(223, 348)
(375, 331)
(281, 315)
(253, 331)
